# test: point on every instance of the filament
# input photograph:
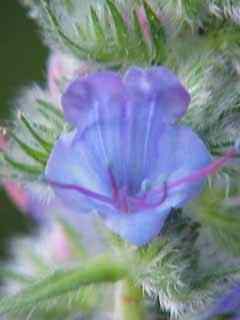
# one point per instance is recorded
(204, 172)
(82, 190)
(122, 201)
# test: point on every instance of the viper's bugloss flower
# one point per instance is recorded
(228, 307)
(127, 157)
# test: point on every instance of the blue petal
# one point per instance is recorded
(156, 98)
(162, 87)
(136, 228)
(156, 85)
(83, 94)
(72, 162)
(178, 153)
(79, 158)
(127, 128)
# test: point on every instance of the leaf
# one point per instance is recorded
(37, 155)
(7, 274)
(51, 109)
(45, 144)
(57, 28)
(143, 48)
(158, 34)
(120, 25)
(99, 32)
(61, 282)
(22, 167)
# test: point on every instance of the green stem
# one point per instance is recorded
(104, 269)
(128, 302)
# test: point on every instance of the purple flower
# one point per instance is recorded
(126, 157)
(228, 307)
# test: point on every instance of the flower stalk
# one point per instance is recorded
(129, 301)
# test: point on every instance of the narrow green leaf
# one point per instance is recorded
(97, 26)
(68, 4)
(22, 167)
(143, 48)
(53, 121)
(8, 274)
(37, 155)
(158, 34)
(45, 144)
(100, 270)
(49, 107)
(57, 28)
(120, 25)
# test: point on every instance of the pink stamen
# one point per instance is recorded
(125, 203)
(119, 196)
(114, 186)
(202, 173)
(84, 191)
(122, 202)
(141, 203)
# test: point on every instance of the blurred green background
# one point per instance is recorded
(22, 61)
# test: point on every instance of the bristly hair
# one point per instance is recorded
(30, 139)
(107, 32)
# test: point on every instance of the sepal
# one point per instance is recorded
(30, 141)
(111, 34)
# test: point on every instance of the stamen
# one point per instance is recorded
(200, 174)
(82, 190)
(114, 186)
(119, 196)
(141, 203)
(122, 202)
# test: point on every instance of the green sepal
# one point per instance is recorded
(104, 34)
(35, 135)
(35, 154)
(143, 47)
(120, 25)
(158, 35)
(57, 28)
(23, 167)
(99, 31)
(51, 109)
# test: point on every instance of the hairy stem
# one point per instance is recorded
(128, 302)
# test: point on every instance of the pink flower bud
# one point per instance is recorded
(62, 68)
(60, 248)
(14, 190)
